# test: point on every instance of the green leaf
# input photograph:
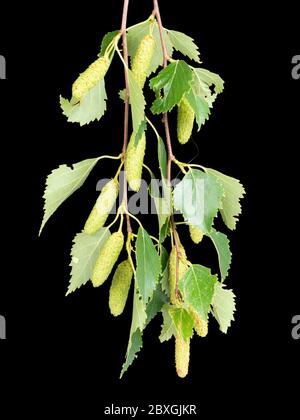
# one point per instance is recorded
(197, 288)
(163, 205)
(164, 258)
(137, 102)
(198, 197)
(155, 304)
(91, 107)
(210, 79)
(203, 82)
(84, 253)
(185, 44)
(165, 280)
(135, 346)
(140, 320)
(200, 107)
(122, 93)
(223, 306)
(164, 277)
(168, 327)
(163, 233)
(135, 36)
(62, 182)
(140, 132)
(183, 321)
(162, 158)
(107, 39)
(221, 244)
(148, 265)
(233, 192)
(139, 317)
(157, 59)
(201, 89)
(175, 81)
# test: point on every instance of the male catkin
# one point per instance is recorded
(183, 267)
(196, 234)
(90, 77)
(119, 288)
(182, 355)
(134, 162)
(108, 256)
(102, 208)
(200, 325)
(185, 121)
(142, 59)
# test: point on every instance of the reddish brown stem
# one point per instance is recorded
(126, 104)
(156, 12)
(171, 157)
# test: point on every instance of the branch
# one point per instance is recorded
(171, 157)
(126, 106)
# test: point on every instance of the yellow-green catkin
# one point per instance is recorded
(134, 162)
(196, 234)
(200, 325)
(142, 59)
(185, 121)
(90, 77)
(108, 256)
(182, 356)
(182, 269)
(102, 208)
(119, 288)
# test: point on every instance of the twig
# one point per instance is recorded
(126, 106)
(171, 157)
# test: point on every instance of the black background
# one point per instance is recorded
(251, 135)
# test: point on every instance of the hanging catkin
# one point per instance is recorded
(90, 77)
(200, 325)
(119, 288)
(182, 355)
(134, 162)
(183, 267)
(196, 234)
(108, 256)
(185, 121)
(102, 208)
(142, 59)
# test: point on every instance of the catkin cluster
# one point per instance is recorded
(134, 162)
(90, 77)
(142, 59)
(182, 346)
(107, 258)
(200, 325)
(182, 269)
(119, 288)
(185, 121)
(102, 208)
(182, 355)
(196, 234)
